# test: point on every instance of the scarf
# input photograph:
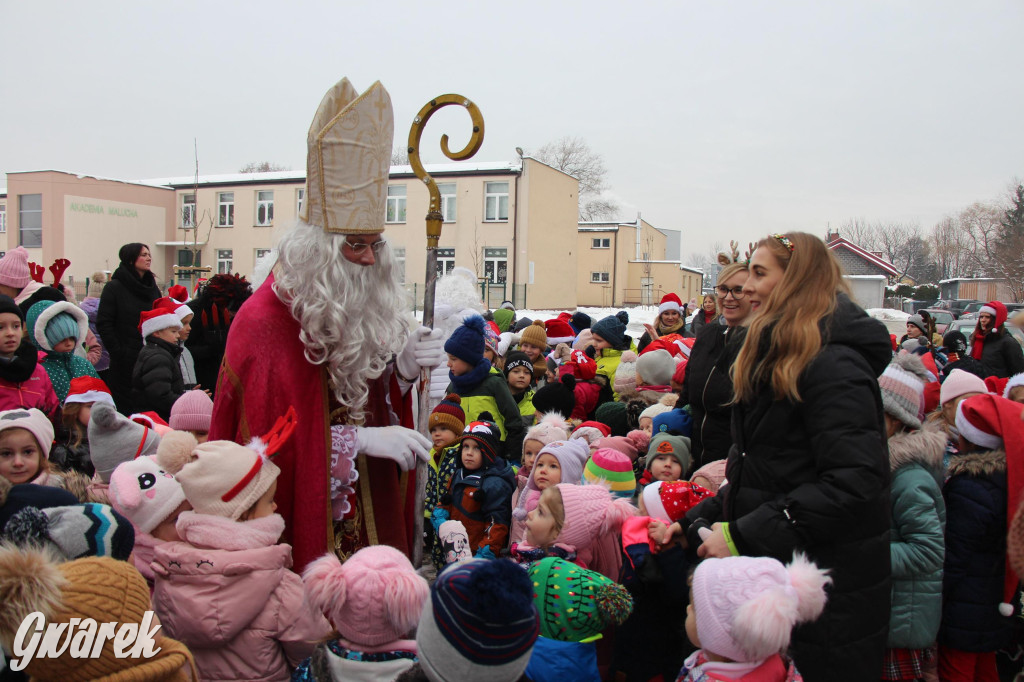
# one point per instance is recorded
(464, 383)
(978, 343)
(663, 331)
(523, 553)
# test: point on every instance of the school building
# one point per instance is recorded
(513, 223)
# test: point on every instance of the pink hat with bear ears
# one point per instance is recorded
(372, 599)
(144, 492)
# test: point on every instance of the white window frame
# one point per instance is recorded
(445, 261)
(187, 214)
(259, 253)
(22, 230)
(449, 207)
(399, 253)
(496, 260)
(265, 204)
(225, 261)
(600, 278)
(3, 218)
(601, 243)
(493, 204)
(396, 204)
(225, 209)
(300, 199)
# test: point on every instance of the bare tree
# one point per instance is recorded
(860, 232)
(399, 156)
(707, 262)
(262, 167)
(574, 156)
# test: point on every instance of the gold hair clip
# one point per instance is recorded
(784, 240)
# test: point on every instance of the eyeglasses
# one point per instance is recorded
(359, 247)
(737, 292)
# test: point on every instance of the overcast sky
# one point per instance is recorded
(720, 119)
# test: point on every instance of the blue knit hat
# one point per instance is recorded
(61, 327)
(611, 329)
(479, 623)
(678, 422)
(580, 321)
(467, 341)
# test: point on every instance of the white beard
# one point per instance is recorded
(353, 317)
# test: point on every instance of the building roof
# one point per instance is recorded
(610, 228)
(839, 242)
(972, 279)
(81, 176)
(289, 176)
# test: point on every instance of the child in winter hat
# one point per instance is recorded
(633, 444)
(557, 396)
(902, 387)
(668, 458)
(648, 415)
(114, 439)
(742, 614)
(710, 476)
(590, 431)
(551, 428)
(92, 589)
(609, 332)
(226, 589)
(583, 519)
(14, 271)
(560, 461)
(611, 469)
(655, 368)
(59, 330)
(28, 435)
(72, 532)
(1015, 388)
(374, 601)
(625, 382)
(156, 380)
(479, 623)
(152, 499)
(575, 605)
(446, 423)
(72, 449)
(614, 415)
(192, 412)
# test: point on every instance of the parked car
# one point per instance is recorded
(955, 305)
(911, 306)
(943, 318)
(971, 311)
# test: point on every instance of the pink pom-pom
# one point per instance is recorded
(175, 450)
(404, 596)
(325, 585)
(640, 439)
(616, 513)
(809, 581)
(627, 356)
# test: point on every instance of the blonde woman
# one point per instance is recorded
(808, 471)
(708, 312)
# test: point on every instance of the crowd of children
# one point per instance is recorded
(557, 496)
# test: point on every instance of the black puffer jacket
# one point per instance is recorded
(156, 381)
(1001, 355)
(121, 303)
(707, 389)
(972, 581)
(814, 476)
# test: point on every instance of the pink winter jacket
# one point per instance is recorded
(227, 593)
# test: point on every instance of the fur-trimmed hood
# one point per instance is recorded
(978, 463)
(40, 314)
(924, 446)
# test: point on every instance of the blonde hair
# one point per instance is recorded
(553, 499)
(789, 319)
(730, 271)
(69, 419)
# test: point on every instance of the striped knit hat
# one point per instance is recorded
(902, 387)
(576, 604)
(448, 414)
(479, 623)
(611, 468)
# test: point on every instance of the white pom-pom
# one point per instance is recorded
(175, 450)
(1005, 610)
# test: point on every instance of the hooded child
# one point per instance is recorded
(58, 329)
(558, 461)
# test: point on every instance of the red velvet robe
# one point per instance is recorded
(263, 373)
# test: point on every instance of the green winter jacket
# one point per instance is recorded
(493, 395)
(61, 367)
(917, 545)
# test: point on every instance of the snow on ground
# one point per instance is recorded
(887, 314)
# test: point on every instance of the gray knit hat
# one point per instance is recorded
(902, 386)
(114, 439)
(667, 444)
(918, 322)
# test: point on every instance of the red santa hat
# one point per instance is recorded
(178, 293)
(670, 302)
(168, 303)
(997, 310)
(151, 321)
(992, 421)
(559, 331)
(86, 389)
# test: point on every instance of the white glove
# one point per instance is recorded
(423, 349)
(396, 443)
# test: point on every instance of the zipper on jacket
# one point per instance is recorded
(704, 399)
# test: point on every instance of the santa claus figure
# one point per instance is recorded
(328, 332)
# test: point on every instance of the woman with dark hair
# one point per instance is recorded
(808, 471)
(132, 289)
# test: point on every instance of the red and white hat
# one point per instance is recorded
(670, 302)
(559, 331)
(580, 365)
(670, 500)
(178, 308)
(151, 321)
(992, 421)
(86, 389)
(178, 293)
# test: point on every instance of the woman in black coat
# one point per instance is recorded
(132, 289)
(707, 386)
(809, 469)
